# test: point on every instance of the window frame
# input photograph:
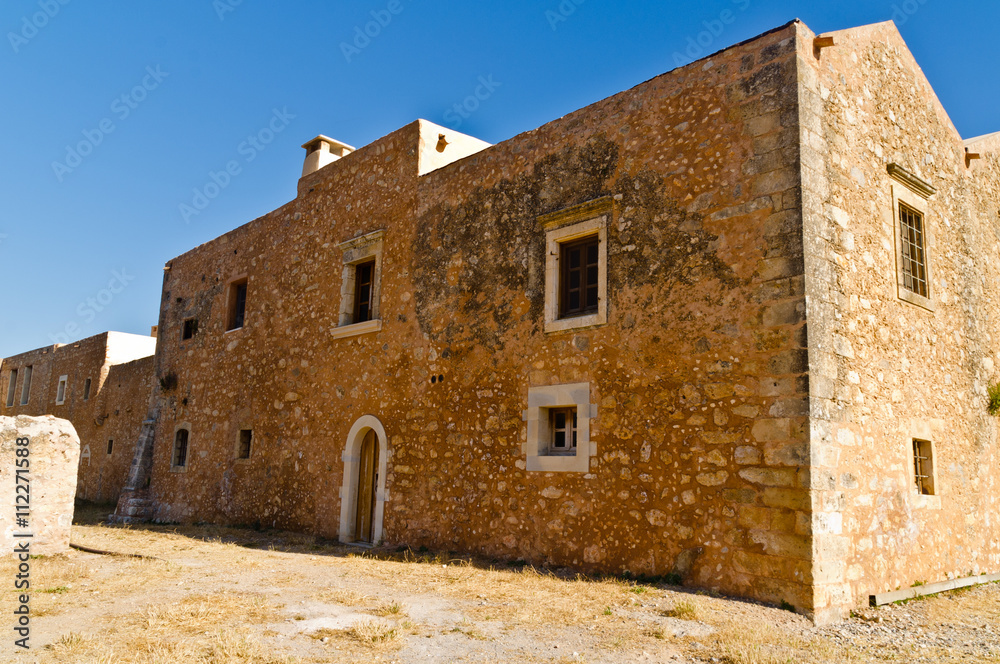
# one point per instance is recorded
(174, 466)
(87, 383)
(11, 388)
(62, 386)
(562, 229)
(232, 302)
(910, 191)
(111, 447)
(542, 401)
(928, 432)
(356, 252)
(26, 385)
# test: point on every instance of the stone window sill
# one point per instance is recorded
(354, 329)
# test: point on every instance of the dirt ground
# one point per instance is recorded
(224, 595)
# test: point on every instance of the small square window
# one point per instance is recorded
(86, 389)
(237, 304)
(179, 459)
(11, 387)
(923, 466)
(191, 324)
(61, 390)
(245, 442)
(26, 386)
(111, 446)
(562, 422)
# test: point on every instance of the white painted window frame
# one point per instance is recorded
(355, 251)
(61, 387)
(538, 436)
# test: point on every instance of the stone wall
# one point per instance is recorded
(53, 451)
(113, 409)
(698, 378)
(882, 370)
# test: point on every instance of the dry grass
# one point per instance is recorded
(684, 609)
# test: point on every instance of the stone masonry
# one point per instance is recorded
(763, 403)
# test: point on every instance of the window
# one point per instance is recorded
(363, 276)
(86, 389)
(558, 428)
(111, 446)
(913, 237)
(243, 446)
(923, 466)
(191, 324)
(180, 449)
(360, 286)
(563, 426)
(237, 304)
(26, 386)
(11, 387)
(61, 390)
(576, 265)
(911, 234)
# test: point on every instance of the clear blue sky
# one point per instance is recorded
(199, 77)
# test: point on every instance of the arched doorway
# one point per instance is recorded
(363, 494)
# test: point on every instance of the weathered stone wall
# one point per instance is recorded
(699, 375)
(882, 370)
(113, 410)
(49, 485)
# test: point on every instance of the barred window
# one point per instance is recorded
(913, 258)
(923, 466)
(180, 449)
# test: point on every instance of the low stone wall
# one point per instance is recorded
(39, 457)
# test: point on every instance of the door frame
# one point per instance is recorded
(349, 485)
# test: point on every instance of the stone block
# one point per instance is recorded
(48, 449)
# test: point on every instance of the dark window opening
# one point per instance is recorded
(180, 448)
(11, 387)
(364, 274)
(111, 446)
(913, 249)
(563, 425)
(246, 439)
(578, 277)
(191, 324)
(86, 389)
(237, 304)
(923, 467)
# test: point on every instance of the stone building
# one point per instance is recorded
(102, 385)
(735, 324)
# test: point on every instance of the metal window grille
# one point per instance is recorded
(922, 466)
(913, 258)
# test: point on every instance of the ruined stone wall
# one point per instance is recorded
(882, 370)
(45, 450)
(698, 376)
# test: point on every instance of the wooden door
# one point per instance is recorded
(367, 487)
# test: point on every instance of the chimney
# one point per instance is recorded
(321, 151)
